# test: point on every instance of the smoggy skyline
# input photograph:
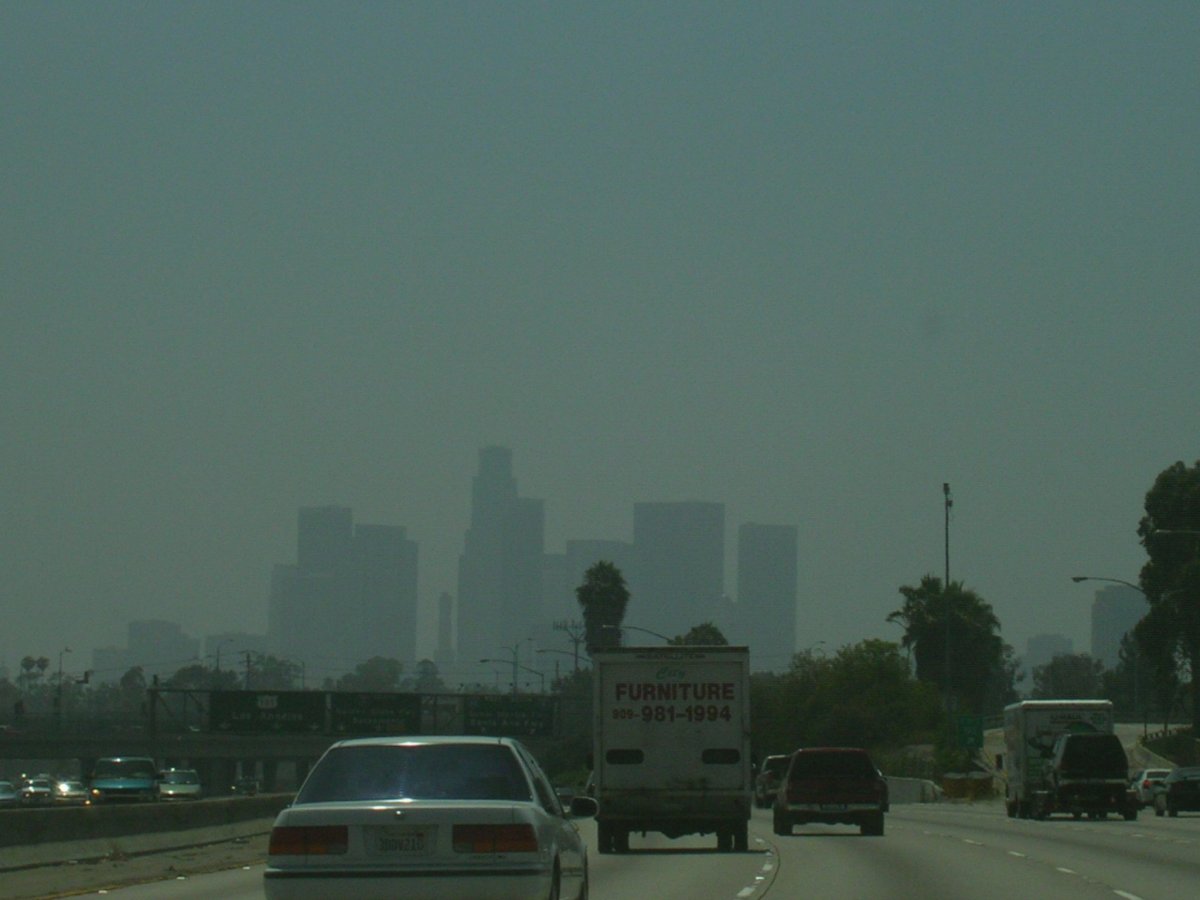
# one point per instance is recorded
(811, 261)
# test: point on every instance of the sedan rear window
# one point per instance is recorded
(417, 772)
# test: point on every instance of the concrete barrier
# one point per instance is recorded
(912, 790)
(26, 827)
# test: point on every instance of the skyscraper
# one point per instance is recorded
(1115, 611)
(678, 577)
(766, 594)
(351, 595)
(500, 569)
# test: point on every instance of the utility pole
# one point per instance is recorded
(575, 632)
(949, 502)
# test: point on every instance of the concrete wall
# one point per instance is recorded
(25, 827)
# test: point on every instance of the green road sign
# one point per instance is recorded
(266, 712)
(970, 732)
(362, 713)
(507, 716)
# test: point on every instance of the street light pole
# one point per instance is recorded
(58, 712)
(637, 628)
(949, 502)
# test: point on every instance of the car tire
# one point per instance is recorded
(621, 840)
(583, 888)
(555, 883)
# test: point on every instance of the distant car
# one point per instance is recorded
(124, 778)
(179, 784)
(1145, 784)
(1180, 792)
(9, 795)
(247, 785)
(385, 817)
(770, 774)
(70, 792)
(833, 786)
(37, 791)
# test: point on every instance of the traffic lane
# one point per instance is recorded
(1146, 858)
(910, 861)
(686, 868)
(243, 883)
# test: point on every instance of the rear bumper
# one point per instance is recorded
(830, 813)
(484, 884)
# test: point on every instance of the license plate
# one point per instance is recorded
(397, 841)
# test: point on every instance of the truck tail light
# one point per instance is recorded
(323, 840)
(518, 838)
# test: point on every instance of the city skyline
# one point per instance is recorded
(810, 261)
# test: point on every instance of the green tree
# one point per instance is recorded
(426, 679)
(981, 664)
(1170, 533)
(1069, 676)
(705, 634)
(272, 673)
(378, 673)
(603, 597)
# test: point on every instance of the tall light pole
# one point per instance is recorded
(58, 711)
(949, 502)
(637, 628)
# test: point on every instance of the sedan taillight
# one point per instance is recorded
(308, 840)
(495, 839)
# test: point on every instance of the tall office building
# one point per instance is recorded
(1115, 611)
(500, 568)
(350, 596)
(766, 595)
(678, 577)
(160, 648)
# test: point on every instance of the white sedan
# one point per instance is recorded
(436, 817)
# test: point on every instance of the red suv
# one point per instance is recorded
(834, 786)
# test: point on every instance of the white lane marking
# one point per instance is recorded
(972, 843)
(1065, 871)
(746, 892)
(1127, 895)
(1016, 854)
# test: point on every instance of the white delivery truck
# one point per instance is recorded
(1031, 728)
(672, 743)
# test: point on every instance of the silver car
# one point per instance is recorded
(1146, 783)
(179, 784)
(421, 817)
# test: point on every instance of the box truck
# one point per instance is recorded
(672, 743)
(1032, 729)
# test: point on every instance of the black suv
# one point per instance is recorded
(831, 785)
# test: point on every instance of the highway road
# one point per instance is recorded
(934, 852)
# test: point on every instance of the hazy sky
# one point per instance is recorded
(811, 260)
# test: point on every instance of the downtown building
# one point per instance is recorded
(350, 596)
(1116, 609)
(677, 579)
(765, 617)
(499, 571)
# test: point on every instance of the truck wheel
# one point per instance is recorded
(781, 825)
(741, 838)
(604, 837)
(872, 826)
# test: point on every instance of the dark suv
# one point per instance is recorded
(770, 774)
(834, 786)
